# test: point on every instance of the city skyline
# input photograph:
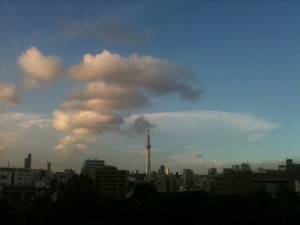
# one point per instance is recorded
(216, 82)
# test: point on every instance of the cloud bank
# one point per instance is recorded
(211, 127)
(115, 87)
(19, 129)
(39, 69)
(74, 144)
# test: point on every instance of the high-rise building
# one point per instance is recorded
(91, 164)
(162, 170)
(48, 170)
(27, 162)
(148, 161)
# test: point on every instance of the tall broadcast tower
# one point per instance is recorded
(148, 162)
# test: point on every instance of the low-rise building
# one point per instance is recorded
(244, 183)
(19, 196)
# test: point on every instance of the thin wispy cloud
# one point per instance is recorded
(26, 132)
(187, 159)
(109, 31)
(214, 126)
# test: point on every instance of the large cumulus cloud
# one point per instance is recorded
(117, 86)
(39, 69)
(155, 76)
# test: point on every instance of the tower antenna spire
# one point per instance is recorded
(148, 161)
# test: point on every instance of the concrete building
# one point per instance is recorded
(6, 177)
(165, 183)
(22, 176)
(245, 167)
(236, 168)
(89, 164)
(244, 183)
(110, 181)
(212, 172)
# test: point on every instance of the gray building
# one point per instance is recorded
(188, 177)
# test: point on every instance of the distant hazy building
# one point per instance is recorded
(188, 177)
(212, 172)
(167, 171)
(236, 168)
(38, 174)
(292, 168)
(48, 170)
(27, 162)
(162, 170)
(69, 173)
(245, 167)
(259, 170)
(228, 170)
(91, 164)
(165, 183)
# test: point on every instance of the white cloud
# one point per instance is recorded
(186, 160)
(74, 144)
(116, 88)
(39, 69)
(212, 127)
(155, 76)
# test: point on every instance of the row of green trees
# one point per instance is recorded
(81, 204)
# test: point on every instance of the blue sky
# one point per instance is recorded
(216, 81)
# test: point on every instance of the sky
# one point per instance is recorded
(216, 82)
